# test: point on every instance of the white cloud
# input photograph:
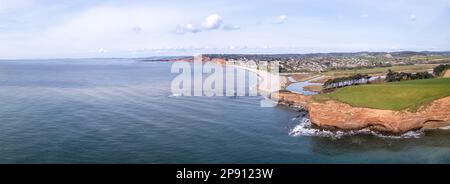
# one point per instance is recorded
(230, 27)
(103, 27)
(136, 29)
(187, 28)
(101, 50)
(280, 19)
(413, 17)
(213, 21)
(13, 5)
(364, 16)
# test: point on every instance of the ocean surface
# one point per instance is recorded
(123, 111)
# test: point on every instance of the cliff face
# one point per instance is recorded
(343, 116)
(337, 115)
(292, 99)
(447, 74)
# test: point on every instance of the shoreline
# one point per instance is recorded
(283, 81)
(335, 115)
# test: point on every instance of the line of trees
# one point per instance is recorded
(346, 81)
(401, 76)
(440, 69)
(390, 77)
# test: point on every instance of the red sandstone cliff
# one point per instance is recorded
(292, 99)
(332, 114)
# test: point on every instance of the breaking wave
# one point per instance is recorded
(302, 126)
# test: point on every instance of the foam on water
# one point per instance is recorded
(304, 127)
(174, 95)
(445, 128)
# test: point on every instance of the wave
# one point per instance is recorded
(304, 127)
(174, 95)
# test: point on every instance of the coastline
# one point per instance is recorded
(273, 84)
(335, 115)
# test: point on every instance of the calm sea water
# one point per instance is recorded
(122, 111)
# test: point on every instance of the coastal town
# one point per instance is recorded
(295, 63)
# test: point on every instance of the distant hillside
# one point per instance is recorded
(319, 62)
(334, 54)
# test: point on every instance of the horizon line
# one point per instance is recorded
(182, 55)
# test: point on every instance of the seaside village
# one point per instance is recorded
(340, 69)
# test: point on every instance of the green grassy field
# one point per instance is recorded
(406, 95)
(381, 70)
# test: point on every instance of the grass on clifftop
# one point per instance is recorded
(406, 95)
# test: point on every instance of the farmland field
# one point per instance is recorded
(406, 95)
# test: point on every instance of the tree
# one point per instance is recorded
(440, 69)
(395, 76)
(346, 81)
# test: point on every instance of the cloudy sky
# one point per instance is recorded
(136, 28)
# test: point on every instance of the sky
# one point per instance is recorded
(138, 28)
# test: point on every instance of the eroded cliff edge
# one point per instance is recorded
(337, 115)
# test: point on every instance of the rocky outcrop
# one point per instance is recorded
(334, 114)
(447, 74)
(292, 99)
(337, 115)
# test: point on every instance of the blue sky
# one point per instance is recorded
(115, 28)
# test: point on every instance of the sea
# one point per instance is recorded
(123, 111)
